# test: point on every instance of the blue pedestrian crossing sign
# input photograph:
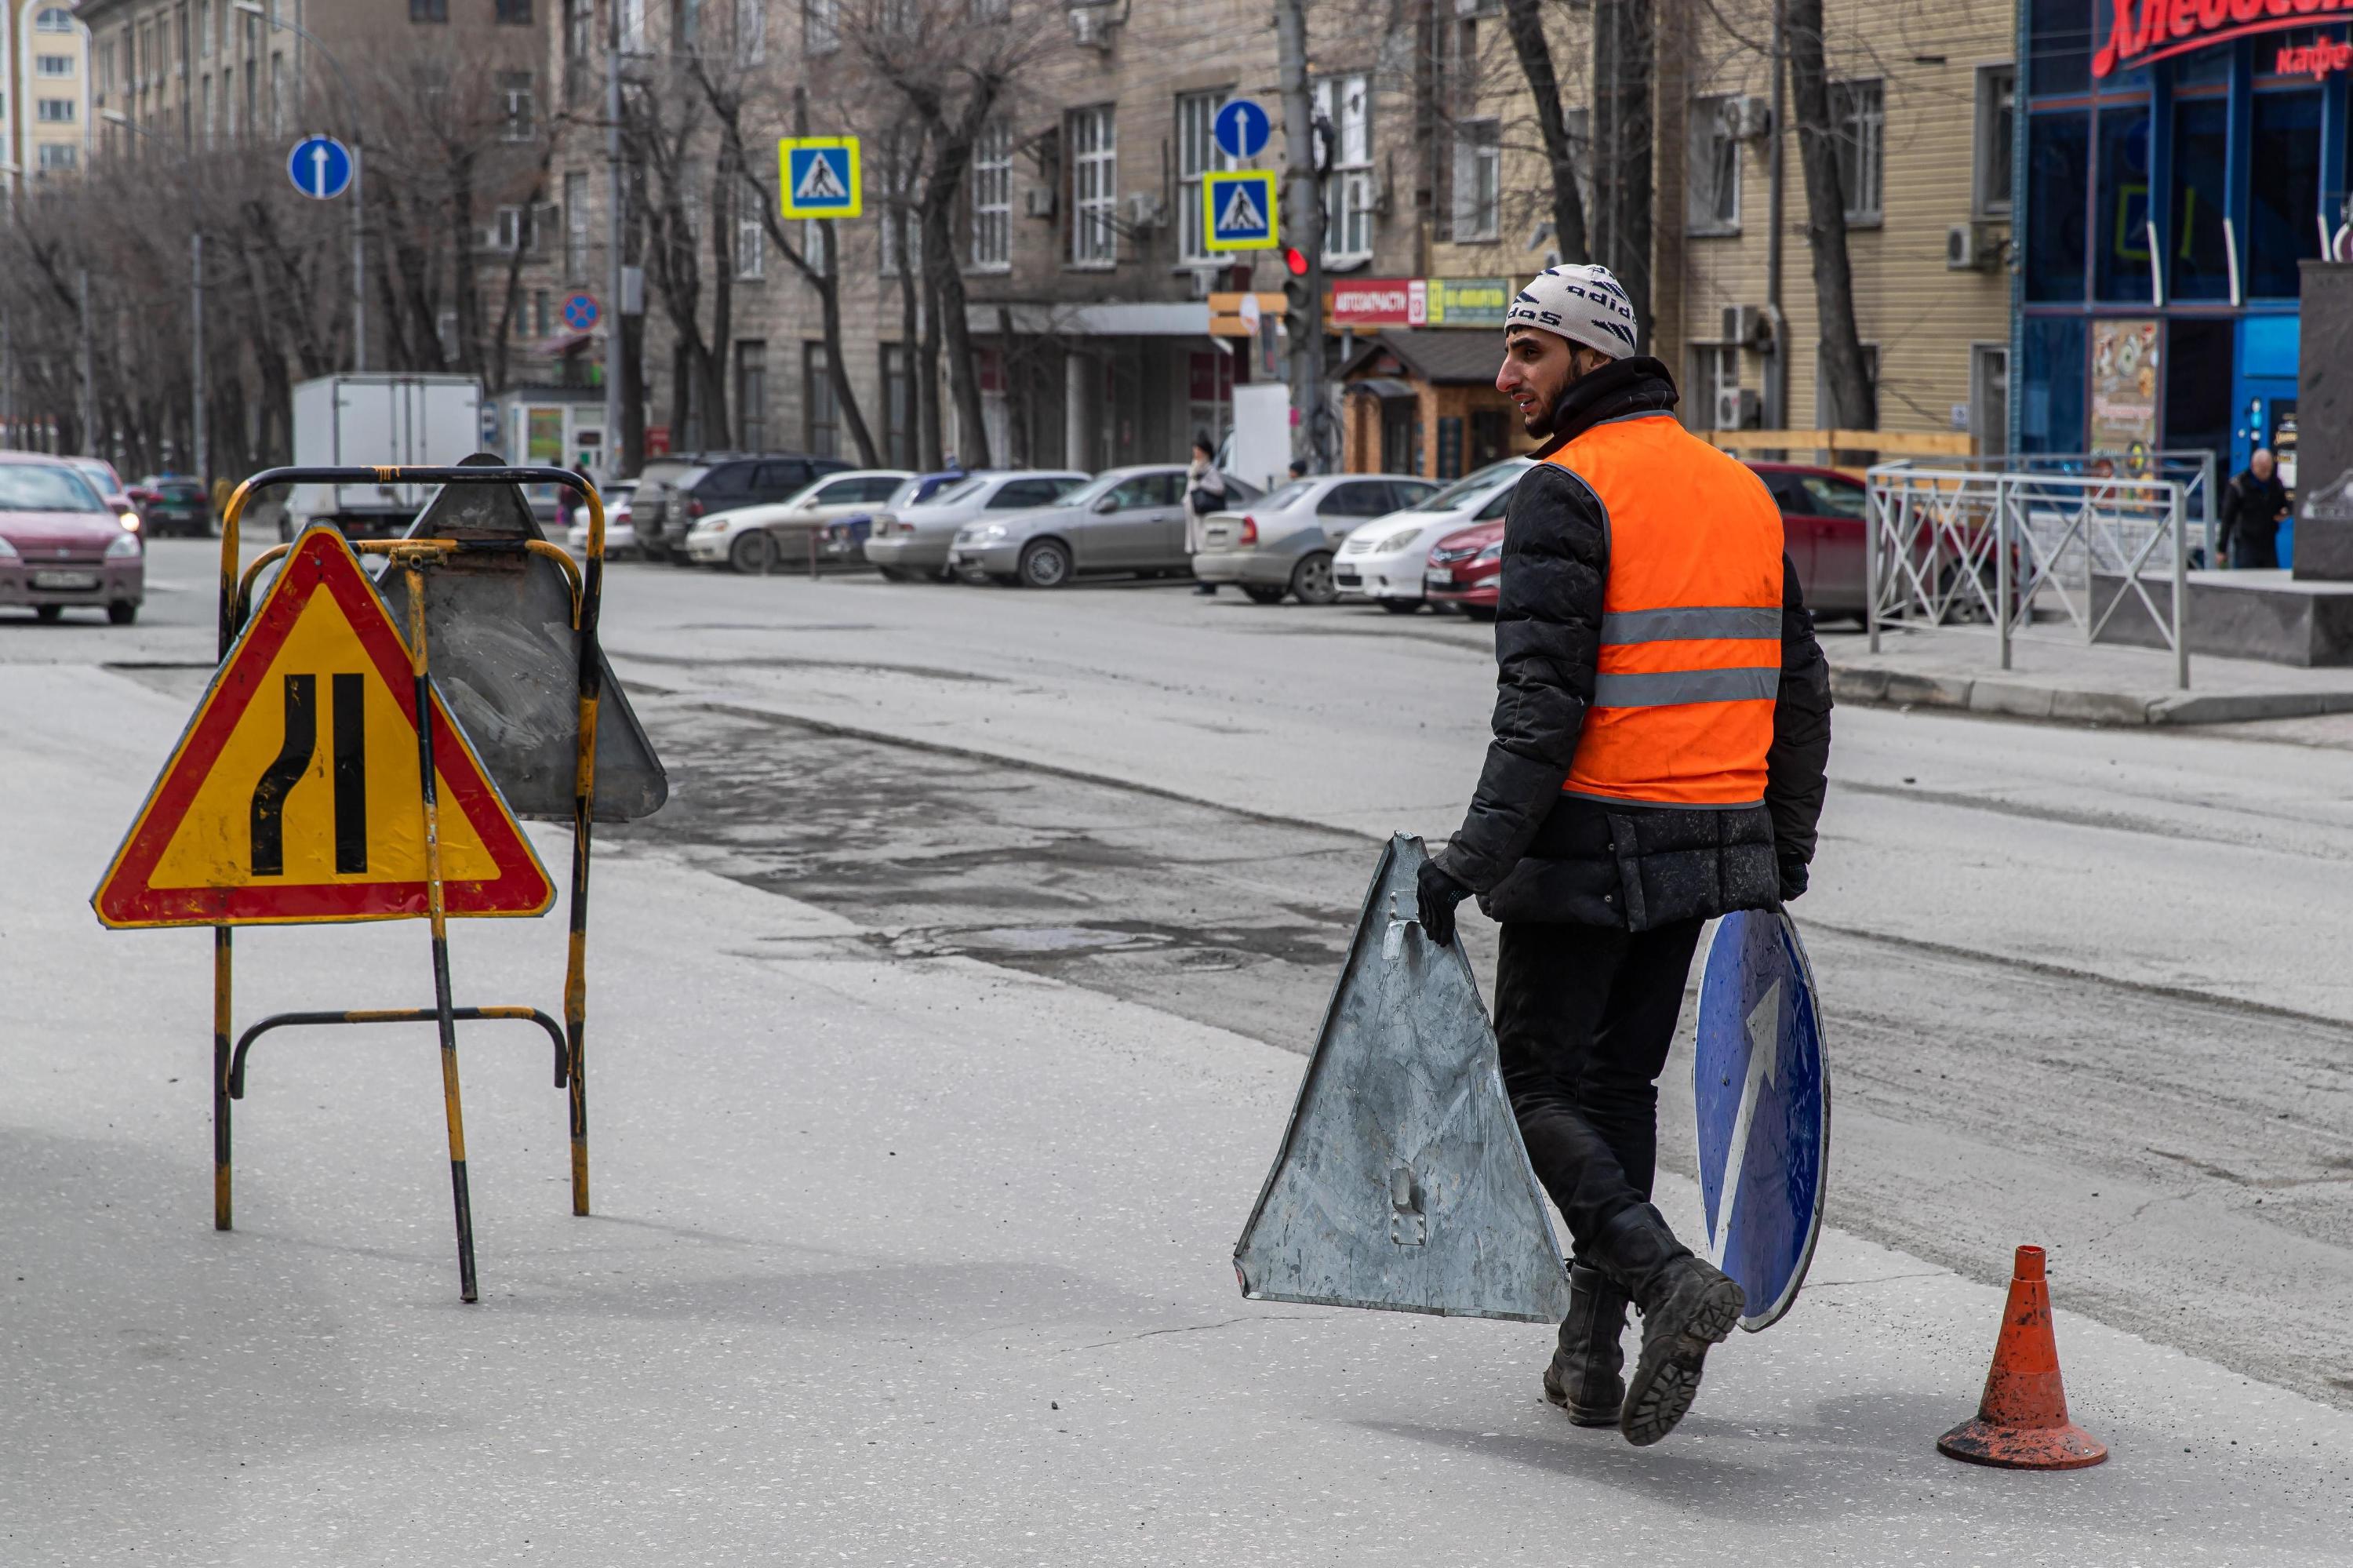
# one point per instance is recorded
(320, 167)
(1240, 129)
(1238, 209)
(1761, 1096)
(819, 177)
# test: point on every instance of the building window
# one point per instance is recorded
(2120, 220)
(1094, 186)
(515, 105)
(751, 235)
(1713, 202)
(539, 312)
(1198, 153)
(2285, 194)
(575, 226)
(56, 65)
(1346, 102)
(204, 28)
(276, 93)
(54, 19)
(514, 13)
(992, 199)
(206, 93)
(1989, 398)
(898, 406)
(752, 394)
(751, 31)
(429, 10)
(686, 24)
(508, 229)
(989, 11)
(2058, 169)
(2199, 258)
(1478, 179)
(55, 110)
(60, 156)
(820, 25)
(1997, 129)
(821, 415)
(1858, 110)
(633, 26)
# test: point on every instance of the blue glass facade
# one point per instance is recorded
(2184, 190)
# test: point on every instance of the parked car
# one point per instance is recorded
(1465, 571)
(913, 534)
(1824, 515)
(752, 538)
(1125, 520)
(620, 532)
(173, 503)
(1283, 544)
(1384, 560)
(61, 544)
(674, 491)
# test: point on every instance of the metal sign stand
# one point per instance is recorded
(414, 557)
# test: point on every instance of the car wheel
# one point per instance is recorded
(750, 553)
(1045, 563)
(1260, 594)
(1311, 579)
(49, 614)
(1400, 606)
(122, 614)
(896, 574)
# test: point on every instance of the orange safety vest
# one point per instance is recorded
(1691, 624)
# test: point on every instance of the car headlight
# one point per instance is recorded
(1400, 541)
(7, 551)
(122, 545)
(130, 520)
(1493, 552)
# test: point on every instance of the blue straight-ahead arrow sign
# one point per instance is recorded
(320, 167)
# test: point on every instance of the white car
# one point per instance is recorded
(912, 539)
(1384, 559)
(756, 538)
(620, 532)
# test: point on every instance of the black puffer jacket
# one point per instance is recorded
(1533, 854)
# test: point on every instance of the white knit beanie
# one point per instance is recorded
(1582, 304)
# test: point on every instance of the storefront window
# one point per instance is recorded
(2058, 162)
(2122, 217)
(2051, 385)
(2201, 261)
(2197, 387)
(2060, 57)
(2284, 198)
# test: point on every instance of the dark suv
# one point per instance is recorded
(673, 491)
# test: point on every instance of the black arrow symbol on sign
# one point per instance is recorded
(281, 776)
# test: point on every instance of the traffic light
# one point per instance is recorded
(1295, 296)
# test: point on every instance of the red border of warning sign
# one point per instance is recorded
(319, 559)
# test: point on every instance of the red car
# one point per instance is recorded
(1822, 520)
(61, 544)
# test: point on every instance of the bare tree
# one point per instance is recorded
(1524, 20)
(1844, 374)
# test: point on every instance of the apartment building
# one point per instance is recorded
(1080, 234)
(1923, 99)
(44, 93)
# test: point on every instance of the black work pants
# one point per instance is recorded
(1583, 1015)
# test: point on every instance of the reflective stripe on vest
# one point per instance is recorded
(1691, 625)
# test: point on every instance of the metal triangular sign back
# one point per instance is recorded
(1402, 1184)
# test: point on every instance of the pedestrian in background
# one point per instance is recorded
(2253, 505)
(1205, 492)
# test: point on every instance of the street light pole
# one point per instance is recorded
(359, 176)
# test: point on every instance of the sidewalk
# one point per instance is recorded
(895, 1261)
(2051, 677)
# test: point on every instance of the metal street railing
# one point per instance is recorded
(1971, 542)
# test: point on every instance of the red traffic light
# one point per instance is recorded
(1296, 260)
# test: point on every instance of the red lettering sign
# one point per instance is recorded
(2314, 60)
(2141, 31)
(1372, 301)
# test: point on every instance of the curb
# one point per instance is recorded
(1872, 686)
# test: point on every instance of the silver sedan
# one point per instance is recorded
(914, 540)
(1127, 520)
(1283, 544)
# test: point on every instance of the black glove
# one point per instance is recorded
(1793, 879)
(1438, 894)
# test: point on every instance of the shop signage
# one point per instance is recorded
(1420, 302)
(1372, 301)
(2146, 30)
(2315, 59)
(1467, 302)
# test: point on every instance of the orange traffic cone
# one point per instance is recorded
(2023, 1421)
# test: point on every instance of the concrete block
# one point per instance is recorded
(1858, 683)
(2100, 708)
(1928, 691)
(2264, 615)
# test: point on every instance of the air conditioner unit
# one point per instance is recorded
(1971, 248)
(1748, 118)
(1092, 26)
(1738, 408)
(1205, 282)
(1745, 324)
(1037, 201)
(1146, 210)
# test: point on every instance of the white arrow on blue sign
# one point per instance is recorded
(1241, 129)
(320, 167)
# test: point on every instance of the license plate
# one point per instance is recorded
(1346, 579)
(1437, 579)
(64, 579)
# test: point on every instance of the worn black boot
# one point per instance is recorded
(1687, 1305)
(1583, 1378)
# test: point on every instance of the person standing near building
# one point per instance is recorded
(1205, 492)
(1660, 735)
(2253, 505)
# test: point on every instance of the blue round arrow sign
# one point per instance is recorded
(1241, 129)
(320, 167)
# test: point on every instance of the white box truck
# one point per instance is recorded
(369, 420)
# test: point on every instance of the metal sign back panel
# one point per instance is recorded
(1760, 1091)
(501, 644)
(1401, 1183)
(293, 796)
